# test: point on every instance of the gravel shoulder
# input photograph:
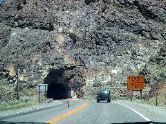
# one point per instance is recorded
(154, 113)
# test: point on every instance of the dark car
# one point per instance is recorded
(103, 95)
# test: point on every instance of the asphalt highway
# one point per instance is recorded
(80, 112)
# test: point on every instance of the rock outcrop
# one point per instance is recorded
(115, 39)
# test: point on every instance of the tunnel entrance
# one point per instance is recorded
(58, 85)
(61, 81)
(58, 91)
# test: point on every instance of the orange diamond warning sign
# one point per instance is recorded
(135, 82)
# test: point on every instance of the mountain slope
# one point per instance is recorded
(113, 38)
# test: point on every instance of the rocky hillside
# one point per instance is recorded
(106, 39)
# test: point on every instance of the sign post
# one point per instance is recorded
(136, 83)
(156, 101)
(141, 93)
(39, 93)
(42, 88)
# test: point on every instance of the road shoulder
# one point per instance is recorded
(16, 112)
(154, 113)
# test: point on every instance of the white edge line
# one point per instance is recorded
(147, 119)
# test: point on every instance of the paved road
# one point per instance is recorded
(81, 112)
(103, 113)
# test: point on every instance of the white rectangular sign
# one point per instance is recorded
(42, 87)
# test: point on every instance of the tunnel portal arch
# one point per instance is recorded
(58, 85)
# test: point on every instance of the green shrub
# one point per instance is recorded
(107, 1)
(87, 2)
(74, 37)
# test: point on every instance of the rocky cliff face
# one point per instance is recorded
(108, 39)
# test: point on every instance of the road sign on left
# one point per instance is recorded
(42, 87)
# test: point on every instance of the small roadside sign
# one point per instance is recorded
(135, 82)
(42, 87)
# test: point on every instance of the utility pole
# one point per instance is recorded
(17, 87)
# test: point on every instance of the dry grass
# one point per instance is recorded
(161, 98)
(22, 103)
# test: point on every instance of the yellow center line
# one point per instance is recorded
(65, 115)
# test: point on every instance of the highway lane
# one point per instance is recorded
(40, 117)
(82, 112)
(103, 113)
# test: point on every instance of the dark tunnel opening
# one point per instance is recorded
(58, 85)
(57, 91)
